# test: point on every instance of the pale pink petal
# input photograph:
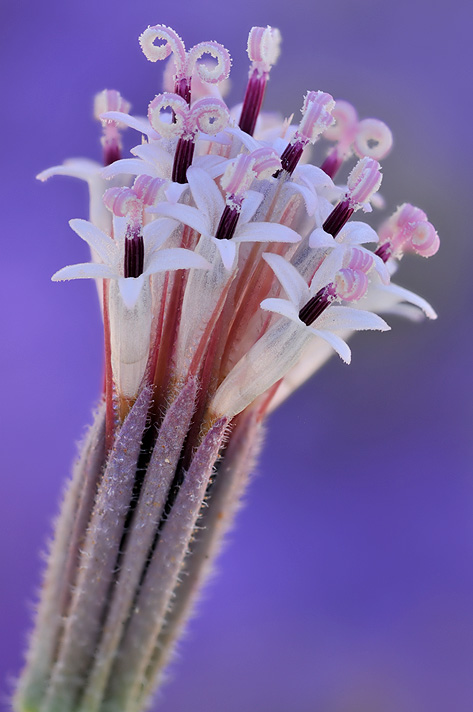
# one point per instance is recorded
(207, 196)
(282, 307)
(265, 232)
(335, 342)
(337, 318)
(85, 270)
(175, 258)
(95, 238)
(291, 281)
(80, 168)
(184, 214)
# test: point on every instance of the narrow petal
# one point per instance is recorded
(250, 205)
(265, 232)
(129, 166)
(282, 307)
(80, 168)
(248, 141)
(130, 289)
(338, 318)
(207, 196)
(174, 191)
(157, 232)
(175, 258)
(291, 281)
(335, 342)
(139, 123)
(406, 295)
(356, 232)
(159, 159)
(85, 270)
(326, 272)
(95, 238)
(321, 240)
(228, 252)
(184, 214)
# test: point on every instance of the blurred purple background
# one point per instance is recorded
(347, 585)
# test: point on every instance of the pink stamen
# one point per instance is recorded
(368, 138)
(263, 51)
(207, 115)
(363, 181)
(316, 118)
(185, 63)
(110, 100)
(407, 230)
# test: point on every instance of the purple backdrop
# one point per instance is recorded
(347, 585)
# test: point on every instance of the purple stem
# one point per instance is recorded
(156, 484)
(223, 503)
(97, 563)
(145, 624)
(59, 577)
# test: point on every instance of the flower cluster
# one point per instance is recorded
(228, 266)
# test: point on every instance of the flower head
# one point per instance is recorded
(225, 264)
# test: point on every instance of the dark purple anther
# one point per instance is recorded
(332, 164)
(338, 218)
(182, 160)
(228, 222)
(290, 158)
(384, 251)
(253, 101)
(134, 252)
(315, 306)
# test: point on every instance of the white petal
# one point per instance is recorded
(250, 205)
(130, 289)
(184, 214)
(265, 232)
(175, 258)
(308, 194)
(282, 307)
(248, 141)
(75, 168)
(218, 138)
(85, 270)
(321, 239)
(338, 318)
(213, 165)
(129, 166)
(207, 196)
(95, 238)
(228, 252)
(157, 232)
(381, 268)
(335, 342)
(408, 296)
(326, 272)
(154, 154)
(313, 176)
(174, 191)
(291, 281)
(140, 123)
(357, 232)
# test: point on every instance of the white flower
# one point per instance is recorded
(205, 217)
